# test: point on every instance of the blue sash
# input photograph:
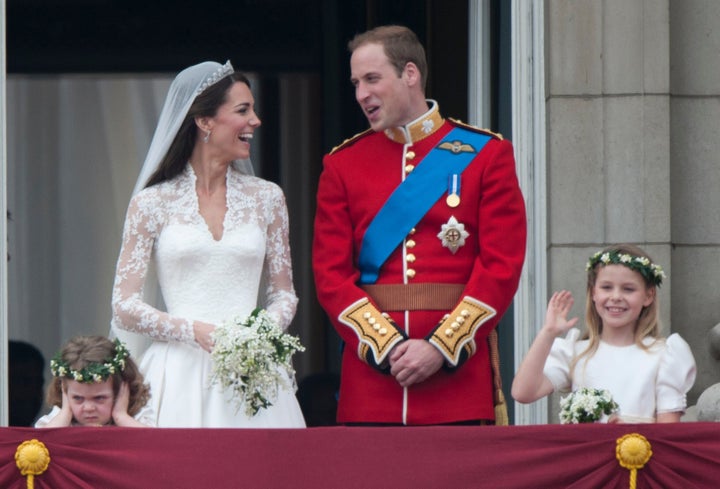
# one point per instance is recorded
(414, 197)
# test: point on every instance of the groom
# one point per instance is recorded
(418, 248)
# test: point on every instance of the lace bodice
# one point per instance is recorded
(202, 278)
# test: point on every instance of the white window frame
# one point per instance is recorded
(528, 129)
(3, 228)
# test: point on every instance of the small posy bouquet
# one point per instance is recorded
(252, 356)
(586, 405)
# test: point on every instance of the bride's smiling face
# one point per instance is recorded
(234, 123)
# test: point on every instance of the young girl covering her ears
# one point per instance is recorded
(621, 351)
(96, 383)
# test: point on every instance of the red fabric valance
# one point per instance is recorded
(684, 455)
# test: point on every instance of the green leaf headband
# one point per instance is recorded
(94, 372)
(651, 272)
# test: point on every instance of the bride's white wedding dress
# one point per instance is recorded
(208, 280)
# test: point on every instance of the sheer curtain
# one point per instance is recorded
(75, 146)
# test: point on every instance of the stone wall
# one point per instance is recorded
(695, 177)
(633, 150)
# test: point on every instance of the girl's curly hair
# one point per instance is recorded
(82, 351)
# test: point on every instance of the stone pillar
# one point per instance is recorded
(608, 139)
(695, 178)
(708, 404)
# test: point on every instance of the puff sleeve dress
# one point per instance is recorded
(642, 382)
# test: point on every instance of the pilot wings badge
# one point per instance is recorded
(457, 147)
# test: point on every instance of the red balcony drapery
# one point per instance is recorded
(684, 455)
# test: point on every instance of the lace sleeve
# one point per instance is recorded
(130, 312)
(279, 295)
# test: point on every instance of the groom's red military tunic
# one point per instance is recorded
(449, 281)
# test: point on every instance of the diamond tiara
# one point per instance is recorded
(216, 76)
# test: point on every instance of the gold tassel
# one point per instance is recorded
(501, 413)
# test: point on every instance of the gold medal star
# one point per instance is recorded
(453, 234)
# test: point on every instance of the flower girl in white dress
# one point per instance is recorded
(622, 352)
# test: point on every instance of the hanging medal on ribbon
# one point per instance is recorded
(423, 187)
(453, 198)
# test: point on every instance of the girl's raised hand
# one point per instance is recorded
(120, 409)
(65, 416)
(121, 402)
(556, 321)
(530, 382)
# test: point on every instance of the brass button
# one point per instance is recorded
(409, 168)
(410, 258)
(410, 155)
(410, 273)
(410, 243)
(412, 231)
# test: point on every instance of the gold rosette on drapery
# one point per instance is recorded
(633, 451)
(32, 458)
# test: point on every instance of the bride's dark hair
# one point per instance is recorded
(205, 105)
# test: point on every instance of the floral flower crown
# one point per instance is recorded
(651, 272)
(93, 372)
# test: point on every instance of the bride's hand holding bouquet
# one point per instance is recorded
(252, 357)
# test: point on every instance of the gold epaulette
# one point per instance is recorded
(351, 140)
(469, 127)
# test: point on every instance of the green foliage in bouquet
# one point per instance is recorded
(252, 357)
(586, 405)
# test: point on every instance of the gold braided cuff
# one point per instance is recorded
(374, 330)
(456, 333)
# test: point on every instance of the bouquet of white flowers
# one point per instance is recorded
(586, 405)
(252, 357)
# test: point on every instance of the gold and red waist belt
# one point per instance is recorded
(415, 297)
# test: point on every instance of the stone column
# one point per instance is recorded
(695, 178)
(608, 138)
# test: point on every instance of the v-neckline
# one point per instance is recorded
(193, 185)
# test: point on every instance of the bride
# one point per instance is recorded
(215, 239)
